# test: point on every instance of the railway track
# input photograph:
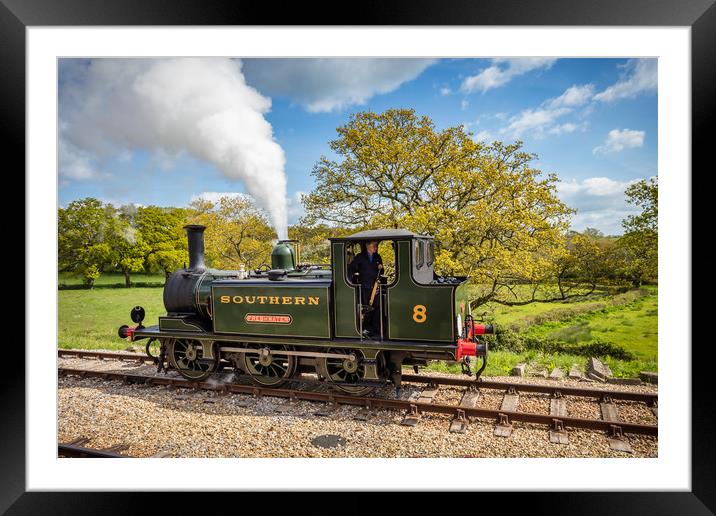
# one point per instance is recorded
(105, 355)
(76, 449)
(558, 421)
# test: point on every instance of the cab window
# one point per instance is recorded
(352, 249)
(387, 252)
(431, 252)
(386, 249)
(419, 256)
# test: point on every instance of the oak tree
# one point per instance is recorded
(494, 215)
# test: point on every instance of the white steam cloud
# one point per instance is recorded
(199, 105)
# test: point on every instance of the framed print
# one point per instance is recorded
(407, 209)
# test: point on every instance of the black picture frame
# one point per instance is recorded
(700, 15)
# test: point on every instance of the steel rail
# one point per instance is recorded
(102, 355)
(72, 450)
(554, 390)
(371, 402)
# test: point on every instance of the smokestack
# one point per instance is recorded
(195, 236)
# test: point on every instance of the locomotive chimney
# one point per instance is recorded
(195, 236)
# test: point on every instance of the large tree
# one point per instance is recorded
(586, 262)
(494, 216)
(315, 246)
(237, 232)
(644, 194)
(82, 231)
(127, 248)
(162, 232)
(639, 247)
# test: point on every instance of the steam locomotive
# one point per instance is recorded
(274, 324)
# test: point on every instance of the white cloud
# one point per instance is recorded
(484, 136)
(502, 71)
(543, 119)
(618, 140)
(295, 208)
(464, 104)
(201, 106)
(331, 84)
(594, 186)
(641, 76)
(535, 121)
(445, 91)
(76, 164)
(567, 128)
(573, 96)
(564, 128)
(600, 203)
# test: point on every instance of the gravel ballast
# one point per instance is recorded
(186, 423)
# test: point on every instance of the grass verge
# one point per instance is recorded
(89, 319)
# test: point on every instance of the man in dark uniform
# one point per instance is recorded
(368, 264)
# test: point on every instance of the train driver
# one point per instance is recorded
(368, 264)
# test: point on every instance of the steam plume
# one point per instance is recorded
(199, 105)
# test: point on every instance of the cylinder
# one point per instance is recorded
(195, 236)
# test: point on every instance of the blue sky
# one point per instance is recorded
(153, 132)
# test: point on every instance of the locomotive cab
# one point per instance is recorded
(417, 305)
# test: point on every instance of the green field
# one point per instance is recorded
(634, 327)
(89, 319)
(626, 323)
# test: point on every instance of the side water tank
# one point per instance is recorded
(283, 257)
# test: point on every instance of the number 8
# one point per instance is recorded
(420, 313)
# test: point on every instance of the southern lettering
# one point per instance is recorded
(270, 300)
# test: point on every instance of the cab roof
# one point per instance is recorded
(381, 234)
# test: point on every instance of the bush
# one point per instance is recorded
(606, 349)
(90, 275)
(516, 343)
(506, 341)
(580, 332)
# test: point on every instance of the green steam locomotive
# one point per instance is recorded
(276, 323)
